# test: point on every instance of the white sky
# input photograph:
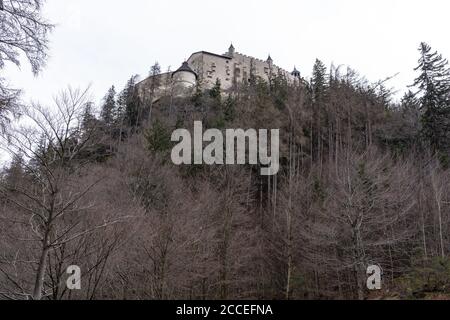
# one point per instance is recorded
(104, 42)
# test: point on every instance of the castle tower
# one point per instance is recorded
(270, 63)
(184, 76)
(231, 51)
(183, 80)
(296, 74)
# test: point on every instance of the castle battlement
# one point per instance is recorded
(206, 68)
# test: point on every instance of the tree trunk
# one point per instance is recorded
(39, 282)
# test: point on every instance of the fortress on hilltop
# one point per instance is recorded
(204, 68)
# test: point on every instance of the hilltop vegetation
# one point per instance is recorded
(363, 181)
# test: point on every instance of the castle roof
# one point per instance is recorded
(211, 54)
(185, 68)
(296, 73)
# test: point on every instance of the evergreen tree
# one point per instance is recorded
(130, 103)
(434, 89)
(121, 104)
(154, 73)
(158, 137)
(155, 70)
(154, 85)
(319, 80)
(319, 121)
(216, 91)
(409, 101)
(197, 96)
(88, 116)
(109, 107)
(124, 98)
(230, 108)
(15, 172)
(278, 90)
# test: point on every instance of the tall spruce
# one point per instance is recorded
(216, 92)
(434, 91)
(154, 85)
(319, 86)
(319, 80)
(109, 107)
(88, 116)
(128, 105)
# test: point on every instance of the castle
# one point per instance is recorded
(204, 68)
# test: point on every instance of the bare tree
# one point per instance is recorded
(53, 205)
(367, 209)
(23, 30)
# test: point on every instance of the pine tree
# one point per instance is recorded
(230, 109)
(129, 103)
(319, 80)
(197, 96)
(154, 73)
(15, 172)
(278, 90)
(155, 70)
(158, 137)
(319, 87)
(216, 91)
(434, 89)
(155, 84)
(409, 101)
(88, 116)
(121, 105)
(109, 107)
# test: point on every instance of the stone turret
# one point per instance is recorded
(231, 51)
(296, 73)
(184, 76)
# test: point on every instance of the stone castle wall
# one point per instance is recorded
(230, 68)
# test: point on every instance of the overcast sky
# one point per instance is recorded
(104, 42)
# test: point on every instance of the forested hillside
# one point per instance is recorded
(364, 181)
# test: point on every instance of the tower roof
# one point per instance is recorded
(231, 51)
(296, 73)
(185, 68)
